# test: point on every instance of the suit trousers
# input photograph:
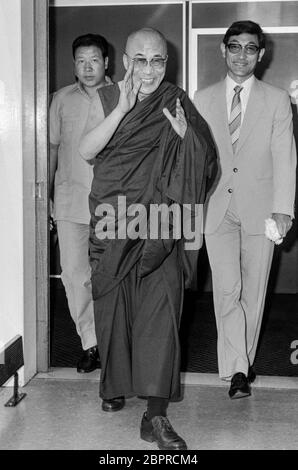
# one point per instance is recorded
(240, 264)
(76, 277)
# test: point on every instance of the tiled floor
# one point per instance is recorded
(62, 411)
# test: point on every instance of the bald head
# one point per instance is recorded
(143, 47)
(146, 36)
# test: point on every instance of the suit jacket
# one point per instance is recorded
(262, 173)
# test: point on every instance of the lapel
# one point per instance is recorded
(219, 114)
(254, 107)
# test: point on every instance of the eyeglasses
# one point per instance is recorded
(235, 48)
(142, 62)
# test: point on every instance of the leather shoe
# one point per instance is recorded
(115, 404)
(239, 386)
(251, 375)
(159, 430)
(89, 361)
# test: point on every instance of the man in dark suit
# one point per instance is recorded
(251, 122)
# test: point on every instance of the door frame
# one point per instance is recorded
(41, 31)
(41, 14)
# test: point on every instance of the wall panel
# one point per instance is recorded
(114, 23)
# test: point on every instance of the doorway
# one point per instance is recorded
(194, 30)
(66, 23)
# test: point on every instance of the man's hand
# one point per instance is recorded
(129, 91)
(283, 223)
(179, 122)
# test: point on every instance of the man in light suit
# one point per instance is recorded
(251, 122)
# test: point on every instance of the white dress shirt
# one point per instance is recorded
(244, 95)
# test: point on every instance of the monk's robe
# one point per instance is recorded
(138, 282)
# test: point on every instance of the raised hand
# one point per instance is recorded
(129, 91)
(178, 122)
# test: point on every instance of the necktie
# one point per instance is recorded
(235, 117)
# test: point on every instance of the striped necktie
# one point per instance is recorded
(235, 117)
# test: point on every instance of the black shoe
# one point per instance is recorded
(89, 361)
(251, 375)
(159, 430)
(115, 404)
(239, 386)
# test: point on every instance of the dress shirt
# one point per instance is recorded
(244, 95)
(69, 112)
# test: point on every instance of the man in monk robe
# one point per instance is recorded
(153, 148)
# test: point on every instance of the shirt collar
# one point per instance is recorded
(79, 86)
(246, 85)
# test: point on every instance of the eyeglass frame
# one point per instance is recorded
(242, 47)
(149, 62)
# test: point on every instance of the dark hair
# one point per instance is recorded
(91, 40)
(247, 26)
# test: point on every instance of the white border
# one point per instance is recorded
(88, 3)
(240, 1)
(193, 47)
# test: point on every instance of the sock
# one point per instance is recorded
(156, 406)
